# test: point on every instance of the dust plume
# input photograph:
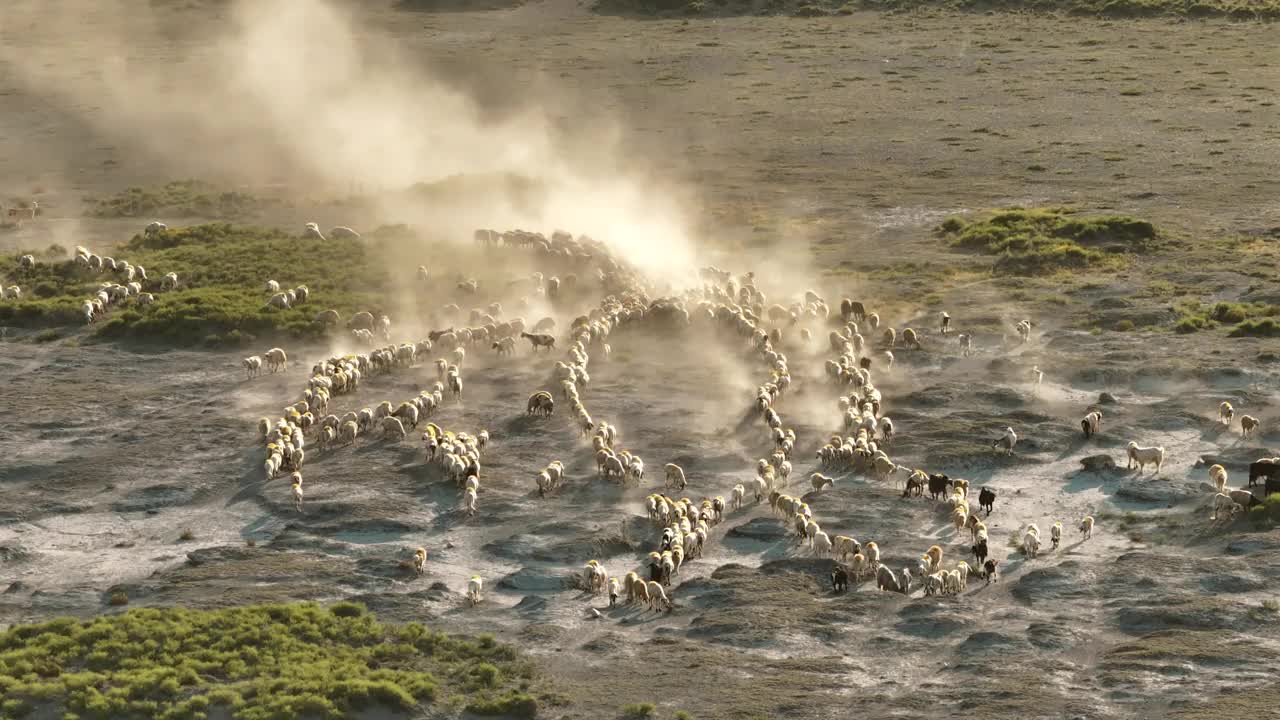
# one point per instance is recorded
(305, 94)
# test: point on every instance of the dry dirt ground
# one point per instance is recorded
(832, 146)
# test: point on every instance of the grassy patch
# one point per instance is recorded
(222, 269)
(638, 711)
(255, 663)
(1268, 513)
(181, 198)
(1046, 240)
(1250, 319)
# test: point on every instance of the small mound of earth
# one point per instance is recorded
(1237, 459)
(1049, 636)
(1156, 491)
(1069, 580)
(761, 529)
(1197, 612)
(1107, 398)
(928, 619)
(531, 579)
(1099, 463)
(987, 643)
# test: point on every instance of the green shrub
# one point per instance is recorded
(45, 336)
(268, 662)
(182, 198)
(1049, 239)
(1267, 327)
(118, 597)
(1123, 326)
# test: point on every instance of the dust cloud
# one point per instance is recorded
(302, 93)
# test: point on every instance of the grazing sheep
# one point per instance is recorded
(1223, 501)
(1225, 413)
(146, 298)
(1055, 534)
(819, 481)
(169, 281)
(1245, 498)
(658, 596)
(1091, 423)
(252, 366)
(1086, 527)
(474, 586)
(909, 339)
(886, 580)
(277, 360)
(1144, 456)
(1248, 424)
(1008, 440)
(273, 287)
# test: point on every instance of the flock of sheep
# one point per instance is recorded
(734, 311)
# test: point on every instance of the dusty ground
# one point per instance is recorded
(850, 136)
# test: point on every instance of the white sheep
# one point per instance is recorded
(169, 281)
(469, 501)
(657, 596)
(738, 495)
(1031, 544)
(13, 292)
(474, 587)
(297, 492)
(1225, 413)
(252, 366)
(1055, 534)
(675, 476)
(27, 262)
(1008, 440)
(277, 359)
(1218, 476)
(1091, 423)
(1144, 456)
(1086, 526)
(392, 427)
(420, 560)
(1221, 502)
(273, 287)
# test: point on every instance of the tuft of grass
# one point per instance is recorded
(638, 711)
(118, 598)
(1268, 513)
(262, 662)
(187, 535)
(1123, 326)
(1044, 240)
(1267, 327)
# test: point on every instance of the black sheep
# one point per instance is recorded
(989, 570)
(979, 550)
(938, 485)
(839, 579)
(987, 500)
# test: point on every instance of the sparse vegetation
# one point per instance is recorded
(638, 711)
(220, 301)
(269, 661)
(1044, 240)
(1268, 513)
(1251, 319)
(178, 199)
(1236, 10)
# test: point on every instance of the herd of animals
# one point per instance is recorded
(732, 310)
(735, 312)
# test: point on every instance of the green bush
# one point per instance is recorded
(1267, 327)
(1045, 240)
(1268, 513)
(1255, 319)
(1123, 326)
(276, 662)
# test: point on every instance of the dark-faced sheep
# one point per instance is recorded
(938, 485)
(980, 551)
(538, 340)
(1263, 469)
(1091, 423)
(987, 499)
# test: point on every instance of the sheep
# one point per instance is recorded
(934, 584)
(1008, 440)
(885, 579)
(1218, 476)
(474, 586)
(1091, 423)
(966, 344)
(1248, 424)
(987, 499)
(595, 576)
(297, 492)
(909, 339)
(27, 262)
(169, 281)
(273, 287)
(538, 340)
(1055, 534)
(469, 501)
(279, 300)
(1086, 527)
(343, 231)
(252, 366)
(277, 360)
(13, 292)
(1031, 543)
(819, 481)
(1143, 456)
(455, 385)
(951, 582)
(1225, 413)
(541, 403)
(154, 228)
(392, 427)
(821, 543)
(1245, 498)
(505, 346)
(1024, 330)
(946, 322)
(348, 431)
(962, 571)
(1223, 501)
(979, 550)
(658, 596)
(991, 571)
(613, 592)
(675, 477)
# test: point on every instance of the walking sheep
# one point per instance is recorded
(1091, 423)
(1144, 456)
(474, 587)
(1086, 527)
(1225, 413)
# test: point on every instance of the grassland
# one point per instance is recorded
(261, 662)
(222, 270)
